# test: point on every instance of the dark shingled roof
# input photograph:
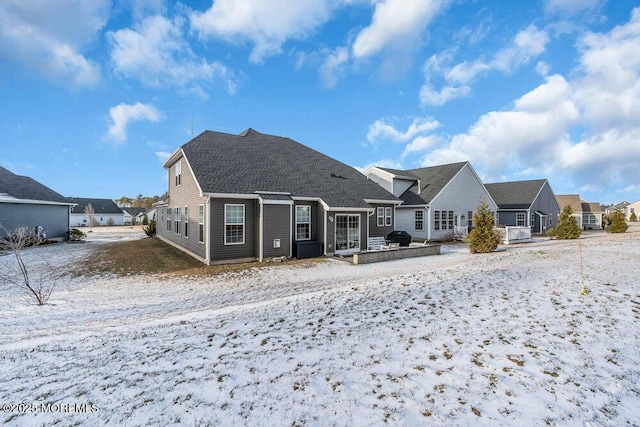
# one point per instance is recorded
(25, 188)
(399, 173)
(254, 162)
(432, 180)
(515, 194)
(100, 206)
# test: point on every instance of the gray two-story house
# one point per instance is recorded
(252, 196)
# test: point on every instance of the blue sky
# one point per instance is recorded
(95, 94)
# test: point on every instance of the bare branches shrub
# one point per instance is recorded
(37, 286)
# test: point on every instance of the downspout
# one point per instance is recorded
(260, 230)
(207, 237)
(429, 221)
(291, 231)
(325, 231)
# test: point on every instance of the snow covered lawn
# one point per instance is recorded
(456, 339)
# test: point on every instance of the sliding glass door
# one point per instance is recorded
(347, 233)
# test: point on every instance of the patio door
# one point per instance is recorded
(347, 234)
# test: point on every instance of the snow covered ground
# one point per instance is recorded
(456, 339)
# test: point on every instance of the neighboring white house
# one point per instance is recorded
(106, 212)
(437, 200)
(133, 216)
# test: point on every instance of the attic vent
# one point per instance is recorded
(333, 175)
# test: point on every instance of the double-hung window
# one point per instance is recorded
(234, 224)
(186, 222)
(168, 219)
(520, 219)
(201, 223)
(384, 216)
(303, 222)
(177, 219)
(419, 219)
(178, 173)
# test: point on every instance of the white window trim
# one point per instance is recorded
(243, 224)
(178, 173)
(201, 223)
(388, 218)
(523, 220)
(380, 216)
(185, 222)
(305, 222)
(178, 219)
(416, 219)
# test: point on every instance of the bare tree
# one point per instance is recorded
(40, 289)
(90, 213)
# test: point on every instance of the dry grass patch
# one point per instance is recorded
(153, 256)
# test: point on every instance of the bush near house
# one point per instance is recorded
(617, 223)
(567, 226)
(483, 238)
(633, 217)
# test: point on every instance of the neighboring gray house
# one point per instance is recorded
(526, 204)
(436, 200)
(26, 202)
(252, 196)
(106, 212)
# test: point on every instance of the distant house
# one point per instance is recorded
(588, 215)
(620, 207)
(25, 202)
(634, 208)
(106, 212)
(437, 200)
(131, 215)
(526, 204)
(252, 196)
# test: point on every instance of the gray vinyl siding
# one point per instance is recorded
(380, 231)
(247, 250)
(185, 194)
(276, 225)
(52, 218)
(509, 218)
(317, 222)
(547, 203)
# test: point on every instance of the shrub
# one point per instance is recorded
(551, 233)
(145, 220)
(76, 235)
(483, 238)
(150, 229)
(617, 223)
(110, 222)
(567, 226)
(633, 217)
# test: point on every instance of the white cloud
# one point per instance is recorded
(267, 24)
(156, 53)
(121, 115)
(421, 144)
(602, 101)
(382, 130)
(163, 155)
(396, 24)
(527, 135)
(45, 36)
(333, 66)
(526, 45)
(430, 96)
(571, 7)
